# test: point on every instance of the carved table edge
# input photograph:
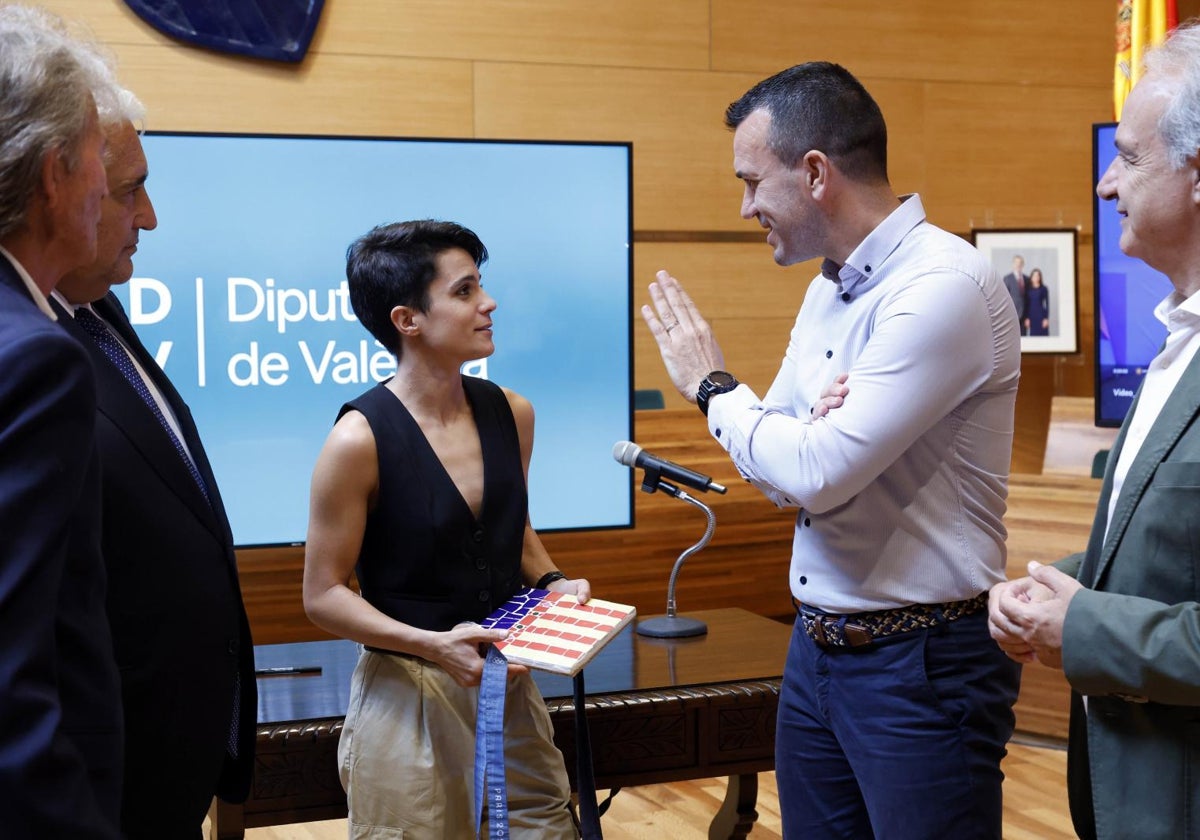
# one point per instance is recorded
(683, 696)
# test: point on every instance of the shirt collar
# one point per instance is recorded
(865, 261)
(1177, 312)
(38, 298)
(68, 307)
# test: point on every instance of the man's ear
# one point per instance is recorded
(55, 173)
(1193, 166)
(814, 173)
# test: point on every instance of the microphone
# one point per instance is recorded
(631, 455)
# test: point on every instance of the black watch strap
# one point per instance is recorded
(717, 382)
(549, 578)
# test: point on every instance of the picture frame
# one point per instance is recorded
(1049, 320)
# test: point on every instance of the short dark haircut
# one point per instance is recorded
(394, 265)
(821, 106)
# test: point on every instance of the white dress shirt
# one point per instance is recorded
(1182, 319)
(902, 489)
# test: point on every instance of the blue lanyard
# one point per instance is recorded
(489, 745)
(489, 753)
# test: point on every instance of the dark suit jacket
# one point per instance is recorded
(179, 627)
(1131, 640)
(1016, 286)
(60, 715)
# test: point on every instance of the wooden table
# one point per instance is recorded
(658, 711)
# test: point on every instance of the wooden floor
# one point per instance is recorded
(1035, 806)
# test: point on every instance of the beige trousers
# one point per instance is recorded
(407, 756)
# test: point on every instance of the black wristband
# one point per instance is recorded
(549, 578)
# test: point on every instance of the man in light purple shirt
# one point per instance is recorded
(896, 705)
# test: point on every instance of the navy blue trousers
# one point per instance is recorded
(901, 740)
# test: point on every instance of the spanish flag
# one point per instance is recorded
(1141, 24)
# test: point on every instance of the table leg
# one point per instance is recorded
(737, 815)
(225, 821)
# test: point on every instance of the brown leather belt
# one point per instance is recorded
(856, 630)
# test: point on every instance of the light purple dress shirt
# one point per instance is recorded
(902, 489)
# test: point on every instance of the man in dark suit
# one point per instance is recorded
(1122, 620)
(60, 716)
(1016, 282)
(179, 628)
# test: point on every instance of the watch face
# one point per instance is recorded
(717, 382)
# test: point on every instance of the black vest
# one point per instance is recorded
(425, 559)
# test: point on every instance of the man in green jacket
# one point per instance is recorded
(1122, 620)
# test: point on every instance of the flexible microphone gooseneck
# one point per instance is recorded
(672, 625)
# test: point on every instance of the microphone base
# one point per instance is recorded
(671, 627)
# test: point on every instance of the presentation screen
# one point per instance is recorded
(241, 295)
(1128, 335)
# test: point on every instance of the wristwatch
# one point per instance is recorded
(717, 382)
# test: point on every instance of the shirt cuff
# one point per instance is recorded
(732, 420)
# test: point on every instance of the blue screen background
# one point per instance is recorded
(279, 212)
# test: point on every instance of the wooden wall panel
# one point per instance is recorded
(903, 105)
(337, 95)
(682, 153)
(620, 33)
(109, 21)
(1015, 156)
(1017, 42)
(625, 33)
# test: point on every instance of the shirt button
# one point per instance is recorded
(803, 580)
(478, 535)
(867, 269)
(828, 354)
(232, 646)
(484, 595)
(807, 522)
(481, 563)
(846, 296)
(718, 433)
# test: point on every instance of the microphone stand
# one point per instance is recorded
(672, 626)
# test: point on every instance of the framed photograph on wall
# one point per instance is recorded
(1037, 267)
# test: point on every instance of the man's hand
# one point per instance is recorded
(684, 338)
(834, 396)
(1026, 616)
(1005, 632)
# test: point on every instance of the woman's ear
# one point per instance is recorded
(404, 319)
